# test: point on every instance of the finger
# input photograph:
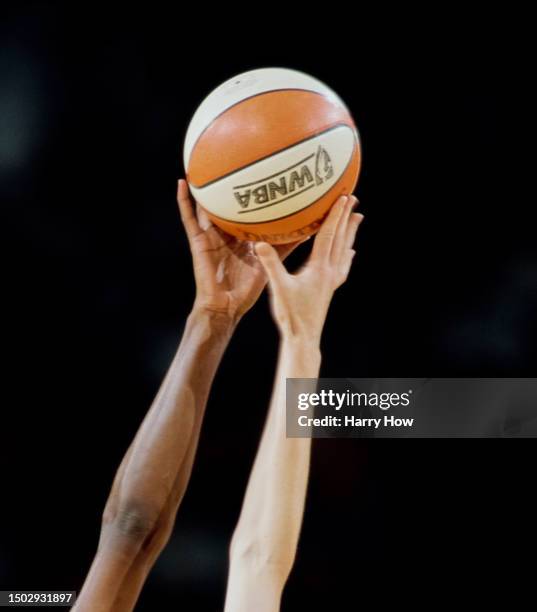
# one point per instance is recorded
(325, 237)
(346, 263)
(352, 227)
(284, 250)
(186, 210)
(271, 263)
(203, 220)
(338, 246)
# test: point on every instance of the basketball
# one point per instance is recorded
(268, 152)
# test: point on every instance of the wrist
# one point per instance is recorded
(309, 343)
(301, 334)
(218, 323)
(301, 356)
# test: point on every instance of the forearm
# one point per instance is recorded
(269, 526)
(153, 476)
(159, 452)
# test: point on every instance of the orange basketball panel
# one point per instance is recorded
(259, 126)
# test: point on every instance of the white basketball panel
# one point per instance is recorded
(244, 86)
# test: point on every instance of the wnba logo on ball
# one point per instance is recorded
(309, 172)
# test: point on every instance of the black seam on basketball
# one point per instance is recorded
(356, 149)
(277, 173)
(261, 93)
(320, 133)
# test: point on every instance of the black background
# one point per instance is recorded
(94, 104)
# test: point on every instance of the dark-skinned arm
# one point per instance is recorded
(153, 476)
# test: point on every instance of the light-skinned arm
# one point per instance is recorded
(264, 543)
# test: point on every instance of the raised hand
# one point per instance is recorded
(300, 301)
(229, 277)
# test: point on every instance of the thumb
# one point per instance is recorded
(270, 260)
